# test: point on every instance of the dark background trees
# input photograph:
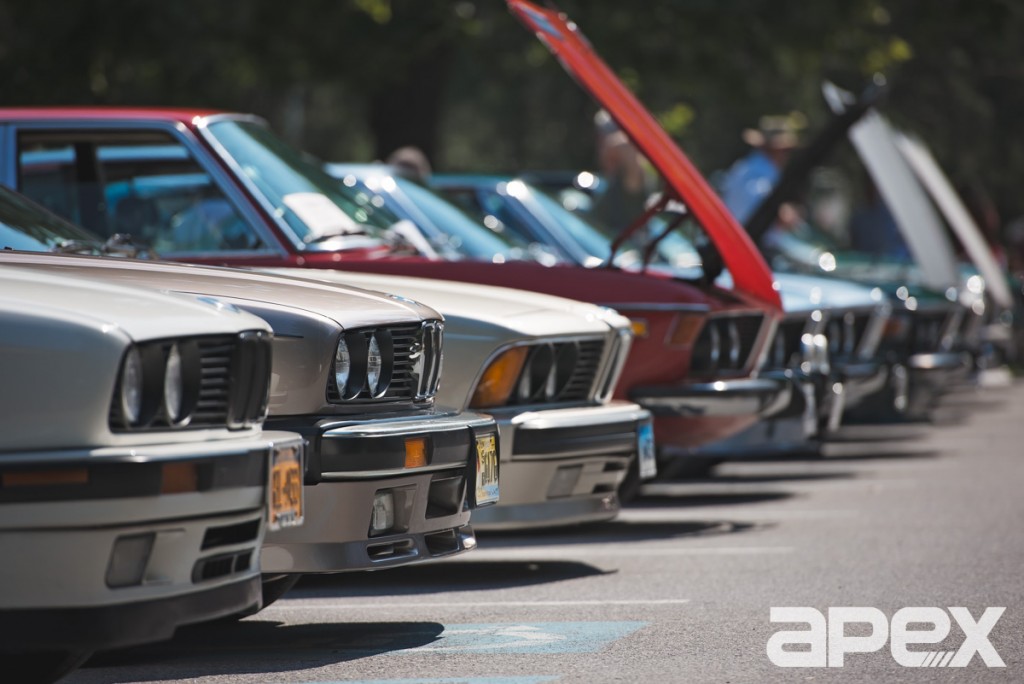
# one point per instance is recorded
(353, 79)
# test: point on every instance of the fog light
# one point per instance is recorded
(383, 518)
(128, 560)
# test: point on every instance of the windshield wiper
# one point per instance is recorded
(324, 237)
(76, 247)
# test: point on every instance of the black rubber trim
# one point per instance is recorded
(121, 479)
(606, 437)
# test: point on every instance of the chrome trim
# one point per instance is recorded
(330, 476)
(724, 398)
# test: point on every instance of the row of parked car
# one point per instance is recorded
(181, 442)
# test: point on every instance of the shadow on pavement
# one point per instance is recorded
(611, 532)
(254, 646)
(443, 577)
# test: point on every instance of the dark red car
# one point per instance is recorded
(217, 188)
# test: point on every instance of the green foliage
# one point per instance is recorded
(351, 79)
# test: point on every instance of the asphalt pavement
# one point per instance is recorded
(680, 587)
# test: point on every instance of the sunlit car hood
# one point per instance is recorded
(526, 313)
(350, 309)
(801, 293)
(564, 39)
(139, 313)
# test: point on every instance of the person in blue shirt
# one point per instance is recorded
(752, 178)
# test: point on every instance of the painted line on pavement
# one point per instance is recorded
(312, 603)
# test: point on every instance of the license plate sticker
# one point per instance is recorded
(486, 470)
(286, 491)
(645, 451)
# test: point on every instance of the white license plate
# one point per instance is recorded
(645, 451)
(286, 491)
(486, 470)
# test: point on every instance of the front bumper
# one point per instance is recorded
(860, 379)
(123, 556)
(563, 466)
(792, 429)
(354, 461)
(745, 397)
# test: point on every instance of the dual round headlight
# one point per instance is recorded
(360, 370)
(152, 387)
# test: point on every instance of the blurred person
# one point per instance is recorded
(873, 228)
(750, 179)
(412, 163)
(625, 180)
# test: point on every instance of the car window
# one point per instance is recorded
(464, 234)
(321, 213)
(146, 184)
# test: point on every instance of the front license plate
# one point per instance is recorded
(645, 451)
(486, 470)
(286, 492)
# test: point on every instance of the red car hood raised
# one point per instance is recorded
(749, 270)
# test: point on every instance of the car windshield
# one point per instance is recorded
(585, 235)
(461, 233)
(321, 213)
(25, 226)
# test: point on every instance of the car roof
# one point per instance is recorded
(64, 113)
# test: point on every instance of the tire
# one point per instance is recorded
(40, 667)
(629, 488)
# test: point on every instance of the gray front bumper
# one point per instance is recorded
(724, 398)
(354, 460)
(562, 466)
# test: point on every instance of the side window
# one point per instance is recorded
(146, 184)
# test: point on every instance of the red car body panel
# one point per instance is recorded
(749, 270)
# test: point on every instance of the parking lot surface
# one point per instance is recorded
(680, 587)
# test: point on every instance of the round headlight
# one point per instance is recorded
(131, 387)
(373, 365)
(342, 366)
(173, 385)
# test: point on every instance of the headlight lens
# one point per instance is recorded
(373, 365)
(131, 387)
(342, 365)
(173, 385)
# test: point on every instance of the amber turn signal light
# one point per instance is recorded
(416, 452)
(499, 379)
(685, 329)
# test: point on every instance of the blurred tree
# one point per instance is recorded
(460, 78)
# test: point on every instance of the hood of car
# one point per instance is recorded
(141, 314)
(802, 292)
(930, 174)
(916, 218)
(517, 311)
(347, 306)
(751, 273)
